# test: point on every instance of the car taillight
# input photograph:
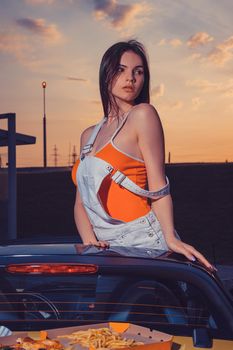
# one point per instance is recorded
(52, 268)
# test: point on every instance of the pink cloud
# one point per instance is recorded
(13, 44)
(158, 91)
(199, 39)
(218, 56)
(175, 42)
(222, 53)
(196, 102)
(39, 27)
(40, 2)
(120, 16)
(203, 85)
(172, 105)
(224, 89)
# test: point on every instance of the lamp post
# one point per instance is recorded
(44, 126)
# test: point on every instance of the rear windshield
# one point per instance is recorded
(35, 302)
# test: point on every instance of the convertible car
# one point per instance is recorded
(46, 286)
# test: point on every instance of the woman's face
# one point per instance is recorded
(128, 82)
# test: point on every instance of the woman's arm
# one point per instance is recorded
(82, 222)
(151, 143)
(80, 215)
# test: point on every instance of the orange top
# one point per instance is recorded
(117, 201)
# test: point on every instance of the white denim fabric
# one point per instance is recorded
(144, 232)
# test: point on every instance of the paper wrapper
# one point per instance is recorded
(152, 340)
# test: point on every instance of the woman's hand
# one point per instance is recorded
(98, 244)
(189, 251)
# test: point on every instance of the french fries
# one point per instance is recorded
(101, 339)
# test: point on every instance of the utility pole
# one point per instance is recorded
(169, 157)
(74, 155)
(44, 84)
(69, 157)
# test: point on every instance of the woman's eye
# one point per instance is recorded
(120, 69)
(139, 71)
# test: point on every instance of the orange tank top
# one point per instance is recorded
(117, 201)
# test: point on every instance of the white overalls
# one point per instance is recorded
(144, 232)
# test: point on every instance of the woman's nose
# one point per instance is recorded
(130, 78)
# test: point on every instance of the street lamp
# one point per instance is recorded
(44, 126)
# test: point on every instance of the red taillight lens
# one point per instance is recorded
(52, 268)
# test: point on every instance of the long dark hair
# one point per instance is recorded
(109, 68)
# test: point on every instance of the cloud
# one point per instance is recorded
(39, 27)
(228, 92)
(224, 89)
(195, 56)
(218, 55)
(169, 105)
(96, 102)
(203, 85)
(13, 44)
(162, 42)
(77, 79)
(176, 105)
(158, 91)
(196, 102)
(227, 89)
(199, 39)
(173, 42)
(121, 16)
(227, 44)
(20, 48)
(222, 53)
(39, 2)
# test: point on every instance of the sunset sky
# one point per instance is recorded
(190, 47)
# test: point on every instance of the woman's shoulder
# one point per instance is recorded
(145, 123)
(86, 135)
(144, 112)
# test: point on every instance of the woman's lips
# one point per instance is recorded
(128, 88)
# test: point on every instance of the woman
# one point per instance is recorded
(122, 156)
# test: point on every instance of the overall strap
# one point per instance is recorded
(89, 145)
(122, 180)
(121, 124)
